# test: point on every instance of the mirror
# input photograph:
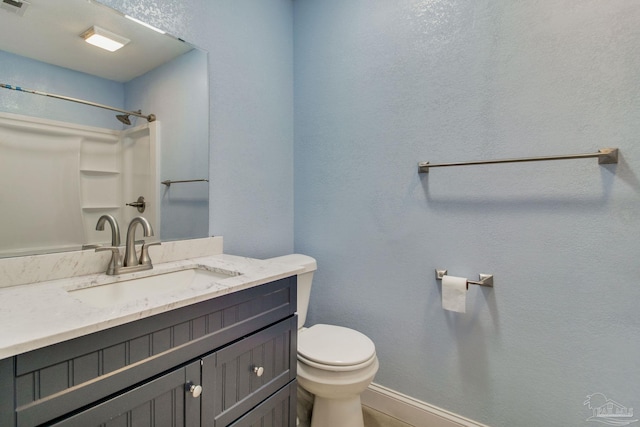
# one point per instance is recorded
(60, 182)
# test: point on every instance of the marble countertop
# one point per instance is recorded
(40, 314)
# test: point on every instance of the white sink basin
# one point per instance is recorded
(125, 291)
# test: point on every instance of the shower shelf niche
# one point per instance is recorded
(99, 172)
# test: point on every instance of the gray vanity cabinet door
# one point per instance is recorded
(162, 402)
(240, 376)
(277, 411)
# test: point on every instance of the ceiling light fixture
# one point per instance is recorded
(157, 30)
(104, 39)
(15, 6)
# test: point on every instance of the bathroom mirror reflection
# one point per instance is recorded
(64, 164)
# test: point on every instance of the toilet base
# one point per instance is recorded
(336, 393)
(337, 412)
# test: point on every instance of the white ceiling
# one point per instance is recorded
(50, 32)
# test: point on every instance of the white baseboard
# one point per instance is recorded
(410, 410)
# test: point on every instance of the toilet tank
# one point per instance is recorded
(305, 278)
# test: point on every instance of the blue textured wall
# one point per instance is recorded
(250, 50)
(177, 94)
(381, 85)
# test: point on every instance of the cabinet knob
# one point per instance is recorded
(258, 370)
(195, 390)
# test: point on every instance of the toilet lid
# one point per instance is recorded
(335, 345)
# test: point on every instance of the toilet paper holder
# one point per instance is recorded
(485, 279)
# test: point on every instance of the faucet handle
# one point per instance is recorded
(116, 262)
(144, 253)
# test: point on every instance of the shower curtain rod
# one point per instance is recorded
(150, 117)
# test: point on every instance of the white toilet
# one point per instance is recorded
(335, 364)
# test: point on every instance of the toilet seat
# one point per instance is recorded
(335, 368)
(335, 348)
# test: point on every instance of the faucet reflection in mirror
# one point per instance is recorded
(131, 263)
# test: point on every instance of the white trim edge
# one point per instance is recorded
(410, 410)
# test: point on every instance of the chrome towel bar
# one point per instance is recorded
(485, 279)
(168, 182)
(605, 156)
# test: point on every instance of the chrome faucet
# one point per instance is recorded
(115, 230)
(130, 259)
(115, 264)
(131, 263)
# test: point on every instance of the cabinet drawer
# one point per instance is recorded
(277, 411)
(232, 373)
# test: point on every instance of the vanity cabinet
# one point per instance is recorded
(240, 349)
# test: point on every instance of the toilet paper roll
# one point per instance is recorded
(454, 293)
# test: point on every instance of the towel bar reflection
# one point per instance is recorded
(485, 279)
(168, 182)
(605, 156)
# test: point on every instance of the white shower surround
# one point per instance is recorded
(69, 175)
